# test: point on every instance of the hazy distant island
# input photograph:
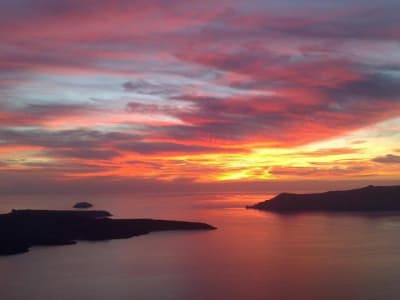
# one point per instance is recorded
(367, 199)
(22, 229)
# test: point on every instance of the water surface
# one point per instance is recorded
(253, 254)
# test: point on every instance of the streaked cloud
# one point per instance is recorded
(199, 92)
(388, 159)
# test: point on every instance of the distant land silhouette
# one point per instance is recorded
(22, 229)
(367, 199)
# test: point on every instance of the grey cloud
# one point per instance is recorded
(142, 86)
(159, 147)
(375, 86)
(92, 154)
(388, 159)
(80, 143)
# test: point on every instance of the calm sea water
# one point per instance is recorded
(253, 255)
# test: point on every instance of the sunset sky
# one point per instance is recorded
(161, 95)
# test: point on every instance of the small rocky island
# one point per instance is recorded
(83, 205)
(367, 199)
(22, 229)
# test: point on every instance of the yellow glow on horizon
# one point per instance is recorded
(348, 156)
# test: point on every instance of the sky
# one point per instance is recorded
(157, 95)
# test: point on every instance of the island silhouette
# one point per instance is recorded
(83, 205)
(22, 229)
(366, 199)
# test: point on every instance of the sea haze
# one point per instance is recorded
(252, 255)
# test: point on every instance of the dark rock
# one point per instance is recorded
(22, 229)
(83, 205)
(367, 199)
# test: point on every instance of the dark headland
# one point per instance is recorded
(22, 229)
(367, 199)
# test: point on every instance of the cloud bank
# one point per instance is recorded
(199, 92)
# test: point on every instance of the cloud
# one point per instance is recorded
(83, 154)
(283, 119)
(142, 86)
(94, 146)
(82, 145)
(47, 182)
(40, 114)
(330, 152)
(204, 81)
(373, 86)
(162, 147)
(153, 108)
(77, 138)
(388, 159)
(313, 172)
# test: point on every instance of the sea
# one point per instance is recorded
(252, 255)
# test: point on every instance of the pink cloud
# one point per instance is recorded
(189, 79)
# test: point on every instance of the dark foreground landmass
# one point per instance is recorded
(22, 229)
(367, 199)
